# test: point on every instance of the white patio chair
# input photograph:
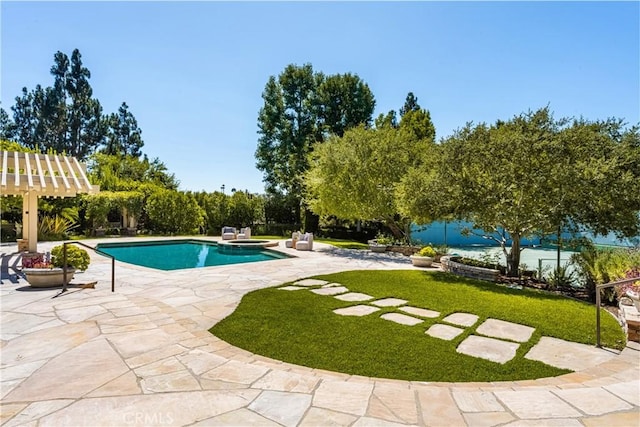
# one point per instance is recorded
(245, 233)
(305, 243)
(228, 233)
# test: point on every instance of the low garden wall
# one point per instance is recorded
(629, 317)
(449, 264)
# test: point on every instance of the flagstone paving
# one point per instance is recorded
(142, 356)
(354, 296)
(488, 348)
(444, 332)
(333, 290)
(402, 319)
(505, 330)
(389, 302)
(560, 353)
(356, 310)
(461, 319)
(422, 312)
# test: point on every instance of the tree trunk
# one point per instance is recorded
(513, 257)
(311, 221)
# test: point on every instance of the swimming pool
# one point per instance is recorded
(180, 254)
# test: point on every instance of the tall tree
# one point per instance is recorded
(410, 104)
(287, 128)
(300, 109)
(7, 126)
(25, 119)
(386, 120)
(419, 124)
(82, 123)
(123, 136)
(344, 101)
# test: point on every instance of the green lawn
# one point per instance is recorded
(299, 327)
(344, 244)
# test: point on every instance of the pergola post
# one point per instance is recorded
(30, 219)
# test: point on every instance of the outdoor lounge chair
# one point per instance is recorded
(305, 242)
(245, 233)
(228, 233)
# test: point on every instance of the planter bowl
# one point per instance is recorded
(47, 277)
(378, 248)
(421, 261)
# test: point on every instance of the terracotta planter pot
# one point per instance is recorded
(47, 277)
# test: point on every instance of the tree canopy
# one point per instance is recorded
(66, 118)
(512, 179)
(354, 177)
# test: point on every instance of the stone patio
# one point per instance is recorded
(142, 356)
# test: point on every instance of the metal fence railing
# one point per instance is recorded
(96, 250)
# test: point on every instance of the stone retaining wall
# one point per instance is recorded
(449, 264)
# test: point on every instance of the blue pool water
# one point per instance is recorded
(179, 254)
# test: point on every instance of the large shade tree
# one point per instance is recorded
(529, 176)
(355, 177)
(301, 108)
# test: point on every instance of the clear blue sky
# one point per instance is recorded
(193, 73)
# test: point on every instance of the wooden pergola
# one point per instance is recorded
(33, 175)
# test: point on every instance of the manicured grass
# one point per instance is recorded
(299, 327)
(344, 244)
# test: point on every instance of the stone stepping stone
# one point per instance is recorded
(461, 319)
(506, 330)
(291, 288)
(356, 310)
(488, 348)
(330, 291)
(389, 302)
(444, 332)
(568, 355)
(310, 282)
(354, 296)
(422, 312)
(331, 285)
(402, 319)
